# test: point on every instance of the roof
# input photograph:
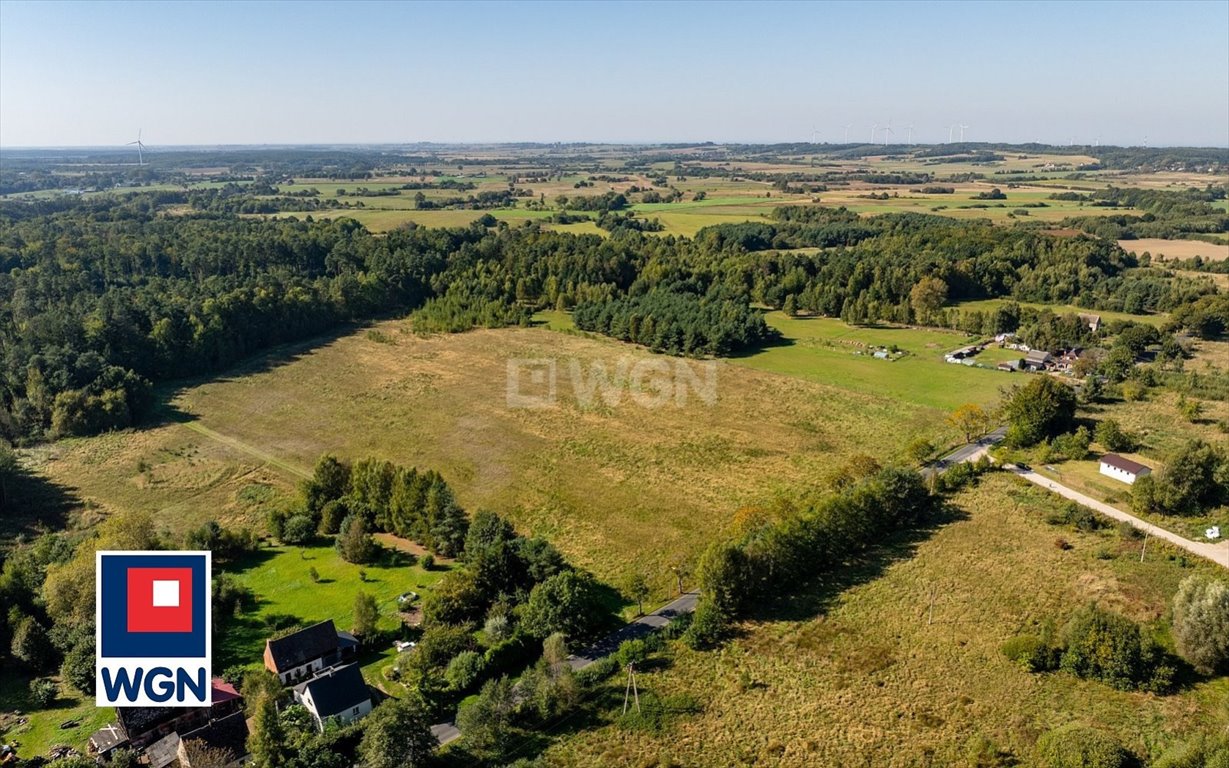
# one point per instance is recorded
(295, 650)
(1089, 317)
(107, 738)
(1037, 355)
(164, 751)
(1126, 465)
(223, 692)
(336, 690)
(137, 721)
(227, 734)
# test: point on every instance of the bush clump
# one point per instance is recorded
(1075, 746)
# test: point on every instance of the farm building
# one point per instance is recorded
(1092, 321)
(304, 653)
(1038, 360)
(338, 692)
(1119, 468)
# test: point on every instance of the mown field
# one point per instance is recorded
(619, 486)
(1177, 249)
(854, 672)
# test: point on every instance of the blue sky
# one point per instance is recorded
(240, 72)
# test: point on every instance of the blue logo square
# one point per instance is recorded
(118, 605)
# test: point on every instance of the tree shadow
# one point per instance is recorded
(31, 504)
(166, 412)
(816, 597)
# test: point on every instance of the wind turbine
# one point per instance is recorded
(874, 130)
(909, 133)
(962, 127)
(886, 131)
(950, 130)
(847, 127)
(140, 146)
(814, 135)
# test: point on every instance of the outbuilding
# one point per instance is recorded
(1123, 469)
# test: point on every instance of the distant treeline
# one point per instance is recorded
(1167, 214)
(101, 297)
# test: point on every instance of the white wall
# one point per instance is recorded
(1118, 474)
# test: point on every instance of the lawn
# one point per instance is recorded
(280, 578)
(44, 728)
(854, 672)
(828, 351)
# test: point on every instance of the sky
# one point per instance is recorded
(185, 73)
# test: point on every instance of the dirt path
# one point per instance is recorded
(1217, 553)
(243, 447)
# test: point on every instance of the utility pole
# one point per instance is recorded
(631, 689)
(1143, 548)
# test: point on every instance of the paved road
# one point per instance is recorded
(685, 603)
(967, 452)
(1217, 553)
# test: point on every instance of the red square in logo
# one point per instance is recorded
(159, 599)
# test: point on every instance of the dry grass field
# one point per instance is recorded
(618, 487)
(853, 672)
(1176, 249)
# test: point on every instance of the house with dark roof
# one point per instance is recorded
(224, 739)
(145, 725)
(1123, 469)
(338, 692)
(138, 727)
(302, 654)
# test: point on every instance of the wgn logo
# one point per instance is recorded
(153, 629)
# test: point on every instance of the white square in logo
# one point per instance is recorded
(166, 594)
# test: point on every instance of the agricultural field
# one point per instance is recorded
(1167, 250)
(857, 671)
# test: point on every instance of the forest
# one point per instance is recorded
(104, 298)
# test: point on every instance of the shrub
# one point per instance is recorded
(42, 692)
(1113, 437)
(1031, 652)
(464, 670)
(1201, 622)
(1105, 646)
(631, 652)
(597, 672)
(313, 574)
(298, 529)
(1074, 746)
(497, 628)
(427, 562)
(1079, 517)
(708, 627)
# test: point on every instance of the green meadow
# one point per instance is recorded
(280, 577)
